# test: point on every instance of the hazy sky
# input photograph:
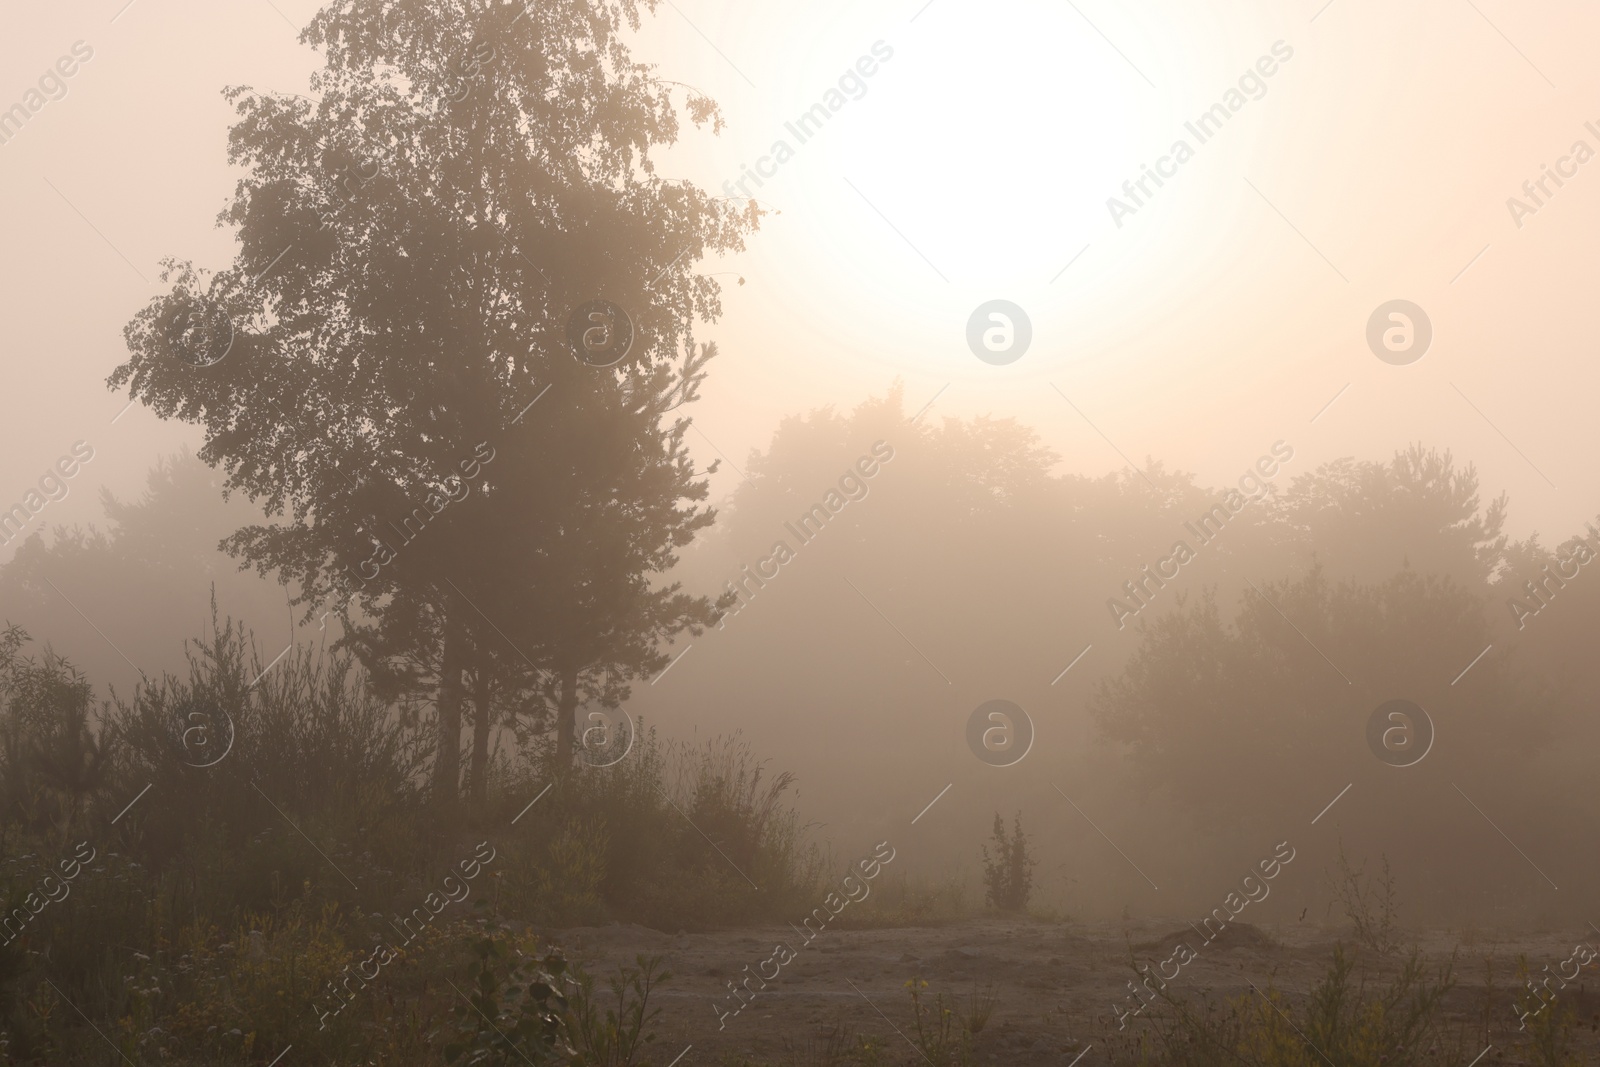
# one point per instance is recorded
(1373, 164)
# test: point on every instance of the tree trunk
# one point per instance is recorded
(566, 718)
(447, 760)
(480, 742)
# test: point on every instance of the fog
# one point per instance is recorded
(857, 429)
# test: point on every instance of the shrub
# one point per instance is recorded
(614, 1037)
(304, 741)
(516, 1012)
(568, 877)
(665, 837)
(527, 1008)
(1008, 874)
(1345, 1020)
(1373, 910)
(252, 823)
(52, 762)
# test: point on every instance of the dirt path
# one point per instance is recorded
(1057, 988)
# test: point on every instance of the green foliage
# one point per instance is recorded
(1008, 873)
(205, 992)
(52, 761)
(214, 920)
(625, 841)
(307, 744)
(1345, 1020)
(535, 1009)
(942, 1035)
(573, 871)
(376, 376)
(1550, 1040)
(616, 1036)
(1264, 689)
(516, 1012)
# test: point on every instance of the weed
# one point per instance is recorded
(979, 1007)
(830, 1047)
(518, 1016)
(1372, 910)
(615, 1036)
(1008, 874)
(940, 1033)
(1346, 1020)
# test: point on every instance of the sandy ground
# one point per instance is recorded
(1056, 986)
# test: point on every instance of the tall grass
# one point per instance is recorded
(1355, 1016)
(676, 836)
(251, 823)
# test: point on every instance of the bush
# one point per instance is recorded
(51, 761)
(1346, 1020)
(517, 1011)
(240, 834)
(231, 750)
(1008, 874)
(667, 838)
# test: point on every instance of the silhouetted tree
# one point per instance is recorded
(1366, 519)
(1234, 721)
(51, 760)
(144, 577)
(413, 243)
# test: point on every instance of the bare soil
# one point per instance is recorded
(1057, 986)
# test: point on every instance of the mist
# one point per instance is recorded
(612, 533)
